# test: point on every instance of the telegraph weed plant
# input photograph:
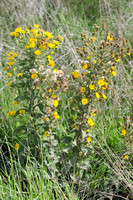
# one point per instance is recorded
(55, 114)
(40, 86)
(38, 83)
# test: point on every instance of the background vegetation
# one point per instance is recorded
(109, 174)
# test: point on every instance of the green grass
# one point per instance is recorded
(108, 174)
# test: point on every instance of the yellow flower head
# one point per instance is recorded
(56, 116)
(76, 74)
(51, 63)
(113, 73)
(56, 103)
(11, 112)
(16, 147)
(37, 52)
(92, 87)
(46, 134)
(82, 89)
(101, 82)
(9, 83)
(97, 95)
(84, 101)
(22, 111)
(123, 132)
(49, 35)
(15, 103)
(53, 96)
(51, 45)
(6, 68)
(89, 139)
(32, 45)
(84, 66)
(34, 76)
(126, 157)
(20, 74)
(9, 74)
(11, 63)
(36, 25)
(104, 96)
(90, 121)
(50, 90)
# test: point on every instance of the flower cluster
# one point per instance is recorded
(99, 57)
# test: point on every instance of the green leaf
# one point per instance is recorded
(73, 160)
(40, 107)
(20, 128)
(66, 139)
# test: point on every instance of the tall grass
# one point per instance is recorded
(109, 176)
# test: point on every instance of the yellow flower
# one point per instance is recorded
(47, 119)
(49, 35)
(11, 112)
(42, 46)
(103, 88)
(74, 118)
(51, 52)
(97, 95)
(90, 121)
(51, 63)
(27, 46)
(9, 83)
(82, 89)
(22, 111)
(16, 147)
(56, 116)
(10, 58)
(11, 63)
(129, 53)
(99, 61)
(113, 73)
(126, 157)
(49, 57)
(6, 68)
(53, 96)
(89, 139)
(34, 76)
(123, 132)
(84, 66)
(88, 57)
(84, 101)
(19, 74)
(36, 25)
(15, 55)
(95, 62)
(101, 82)
(56, 42)
(15, 103)
(117, 60)
(88, 130)
(50, 90)
(76, 74)
(56, 103)
(109, 38)
(9, 74)
(37, 52)
(10, 53)
(92, 87)
(104, 96)
(32, 45)
(46, 134)
(51, 45)
(60, 38)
